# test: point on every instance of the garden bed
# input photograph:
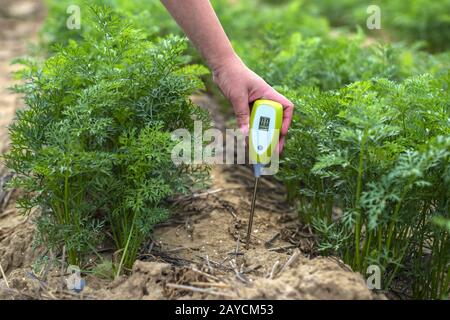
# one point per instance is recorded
(197, 253)
(364, 173)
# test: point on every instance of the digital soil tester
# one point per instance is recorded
(264, 134)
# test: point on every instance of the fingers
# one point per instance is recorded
(280, 145)
(242, 112)
(288, 109)
(287, 119)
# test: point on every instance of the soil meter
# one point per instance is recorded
(264, 133)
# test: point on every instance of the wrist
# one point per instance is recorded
(225, 62)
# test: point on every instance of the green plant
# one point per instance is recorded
(246, 20)
(369, 165)
(333, 62)
(442, 222)
(414, 193)
(148, 15)
(339, 13)
(55, 31)
(103, 270)
(328, 63)
(411, 21)
(238, 18)
(419, 20)
(92, 147)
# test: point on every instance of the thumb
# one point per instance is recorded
(242, 112)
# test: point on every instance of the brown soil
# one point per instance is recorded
(19, 21)
(320, 278)
(199, 253)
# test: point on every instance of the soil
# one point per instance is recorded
(198, 254)
(19, 21)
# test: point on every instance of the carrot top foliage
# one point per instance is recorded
(92, 147)
(297, 61)
(370, 165)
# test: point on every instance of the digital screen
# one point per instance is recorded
(264, 123)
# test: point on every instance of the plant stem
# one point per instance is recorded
(358, 225)
(394, 218)
(125, 250)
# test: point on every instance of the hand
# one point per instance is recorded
(241, 86)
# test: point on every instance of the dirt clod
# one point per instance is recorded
(144, 283)
(320, 278)
(15, 247)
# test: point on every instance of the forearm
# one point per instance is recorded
(238, 83)
(200, 23)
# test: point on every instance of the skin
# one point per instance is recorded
(240, 85)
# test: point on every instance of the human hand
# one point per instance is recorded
(241, 86)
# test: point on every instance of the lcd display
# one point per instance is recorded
(264, 123)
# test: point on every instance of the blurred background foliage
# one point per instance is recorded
(424, 22)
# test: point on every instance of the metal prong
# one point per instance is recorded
(252, 212)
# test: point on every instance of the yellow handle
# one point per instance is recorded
(271, 109)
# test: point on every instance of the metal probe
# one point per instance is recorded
(265, 124)
(252, 213)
